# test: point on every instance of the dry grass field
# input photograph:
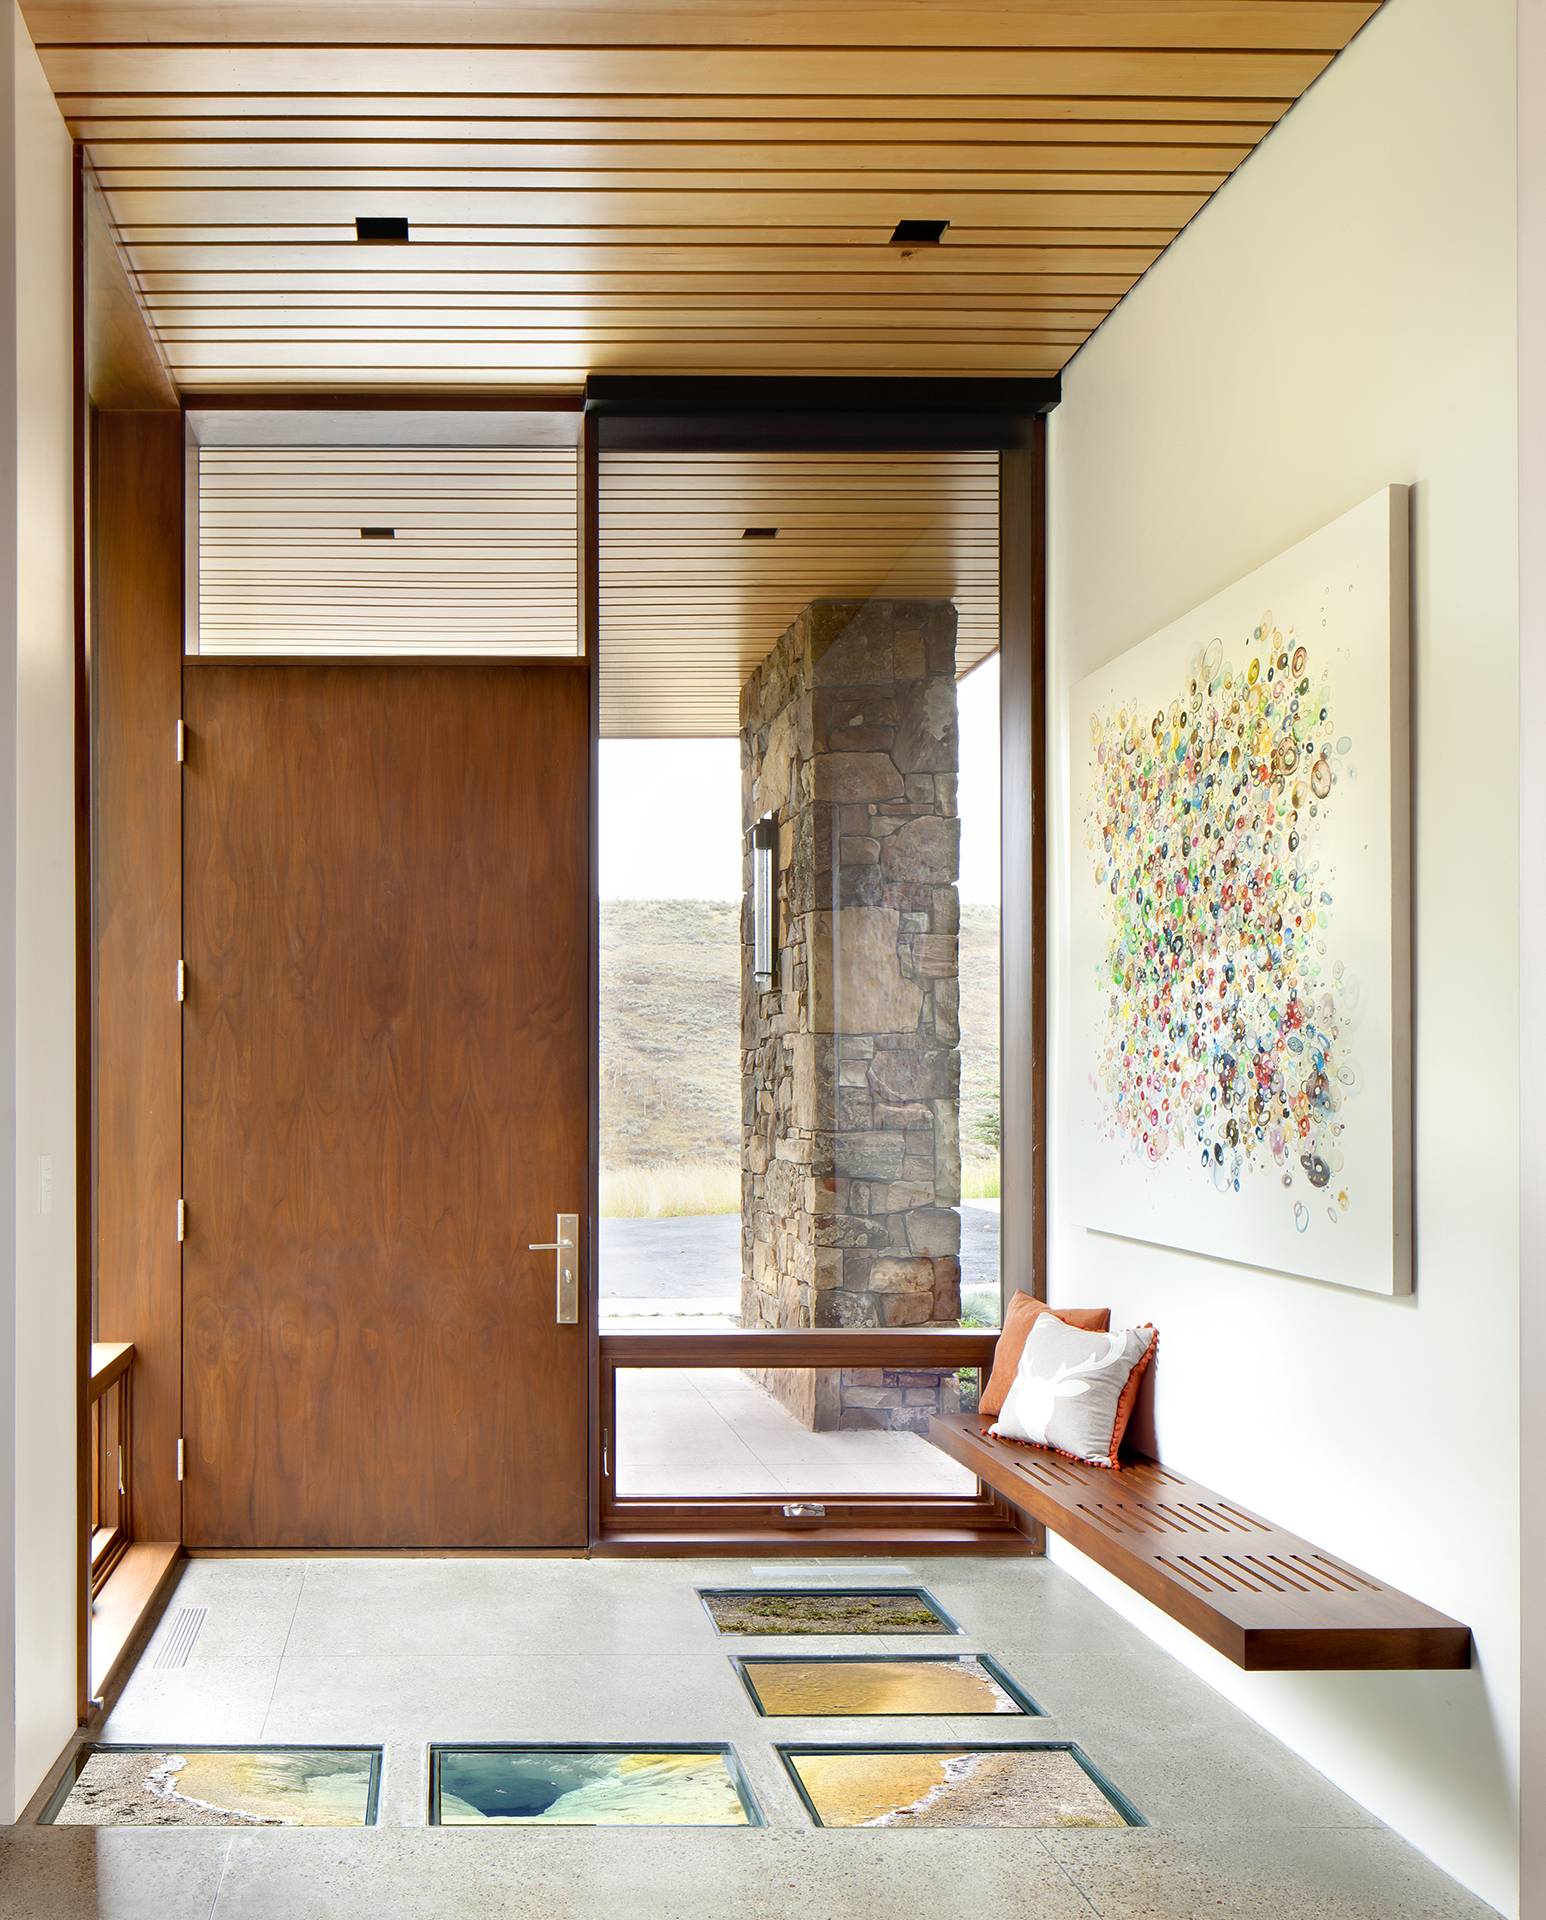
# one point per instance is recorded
(670, 1055)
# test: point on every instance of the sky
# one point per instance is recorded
(671, 809)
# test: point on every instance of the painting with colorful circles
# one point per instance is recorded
(1236, 1005)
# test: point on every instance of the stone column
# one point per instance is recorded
(851, 1160)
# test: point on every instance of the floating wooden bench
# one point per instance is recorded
(1265, 1598)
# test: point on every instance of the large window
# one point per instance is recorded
(799, 992)
(670, 884)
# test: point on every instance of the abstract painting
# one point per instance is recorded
(1236, 1011)
(1047, 1785)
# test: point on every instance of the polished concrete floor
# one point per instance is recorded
(403, 1652)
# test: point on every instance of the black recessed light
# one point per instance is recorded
(759, 533)
(382, 228)
(378, 533)
(919, 233)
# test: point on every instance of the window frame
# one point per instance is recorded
(625, 414)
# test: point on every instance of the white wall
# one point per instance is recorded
(1532, 878)
(7, 938)
(37, 999)
(1339, 317)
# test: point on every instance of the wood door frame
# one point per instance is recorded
(85, 942)
(130, 588)
(671, 415)
(435, 423)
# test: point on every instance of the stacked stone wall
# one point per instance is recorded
(851, 1161)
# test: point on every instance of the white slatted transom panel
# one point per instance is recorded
(470, 550)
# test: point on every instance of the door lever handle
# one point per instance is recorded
(566, 1309)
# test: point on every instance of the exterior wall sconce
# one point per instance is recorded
(764, 840)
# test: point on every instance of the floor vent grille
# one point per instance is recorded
(187, 1623)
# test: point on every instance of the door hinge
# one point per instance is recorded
(182, 742)
(182, 1220)
(182, 1458)
(182, 981)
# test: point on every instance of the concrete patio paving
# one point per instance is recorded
(711, 1430)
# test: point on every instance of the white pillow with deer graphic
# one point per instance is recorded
(1068, 1387)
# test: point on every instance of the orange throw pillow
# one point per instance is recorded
(1130, 1395)
(1011, 1342)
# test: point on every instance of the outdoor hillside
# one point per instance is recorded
(670, 1049)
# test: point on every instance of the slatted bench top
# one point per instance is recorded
(1265, 1598)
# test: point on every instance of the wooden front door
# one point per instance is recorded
(385, 1100)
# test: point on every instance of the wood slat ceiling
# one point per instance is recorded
(671, 186)
(689, 606)
(484, 556)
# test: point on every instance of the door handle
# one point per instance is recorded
(566, 1280)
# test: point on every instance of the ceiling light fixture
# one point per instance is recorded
(381, 229)
(919, 233)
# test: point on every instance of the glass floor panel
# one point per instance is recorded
(190, 1786)
(909, 1683)
(960, 1785)
(780, 1610)
(589, 1786)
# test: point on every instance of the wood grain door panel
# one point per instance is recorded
(385, 1071)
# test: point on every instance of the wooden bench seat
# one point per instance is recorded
(1265, 1598)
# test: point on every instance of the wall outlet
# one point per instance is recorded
(45, 1183)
